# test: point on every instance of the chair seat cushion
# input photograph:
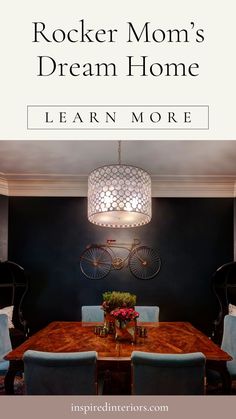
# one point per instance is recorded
(9, 312)
(4, 365)
(231, 365)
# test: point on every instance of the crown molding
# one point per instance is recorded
(76, 186)
(3, 185)
(47, 185)
(194, 186)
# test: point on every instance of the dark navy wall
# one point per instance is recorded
(3, 227)
(194, 237)
(234, 229)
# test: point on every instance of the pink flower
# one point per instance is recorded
(126, 314)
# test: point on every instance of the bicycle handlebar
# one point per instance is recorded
(112, 242)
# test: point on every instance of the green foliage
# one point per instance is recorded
(114, 299)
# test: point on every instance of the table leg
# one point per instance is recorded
(117, 377)
(221, 368)
(14, 368)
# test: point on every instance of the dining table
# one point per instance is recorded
(114, 355)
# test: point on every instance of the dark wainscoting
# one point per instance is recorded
(194, 237)
(3, 227)
(235, 229)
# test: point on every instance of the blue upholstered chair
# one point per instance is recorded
(229, 343)
(148, 313)
(5, 343)
(167, 374)
(92, 314)
(49, 373)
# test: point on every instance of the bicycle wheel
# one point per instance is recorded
(95, 262)
(144, 262)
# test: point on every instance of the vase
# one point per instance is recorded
(109, 322)
(125, 330)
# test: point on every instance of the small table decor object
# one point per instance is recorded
(113, 300)
(125, 324)
(141, 331)
(101, 331)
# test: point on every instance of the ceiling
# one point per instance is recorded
(160, 158)
(177, 168)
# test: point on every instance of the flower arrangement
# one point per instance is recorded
(115, 299)
(125, 323)
(125, 314)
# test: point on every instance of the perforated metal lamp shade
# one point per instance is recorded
(119, 196)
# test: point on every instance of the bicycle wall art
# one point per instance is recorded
(98, 260)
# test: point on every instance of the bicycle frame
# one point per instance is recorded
(98, 260)
(110, 245)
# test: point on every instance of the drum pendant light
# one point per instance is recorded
(119, 195)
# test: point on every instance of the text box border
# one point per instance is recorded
(119, 129)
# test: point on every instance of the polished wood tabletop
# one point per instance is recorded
(113, 356)
(162, 337)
